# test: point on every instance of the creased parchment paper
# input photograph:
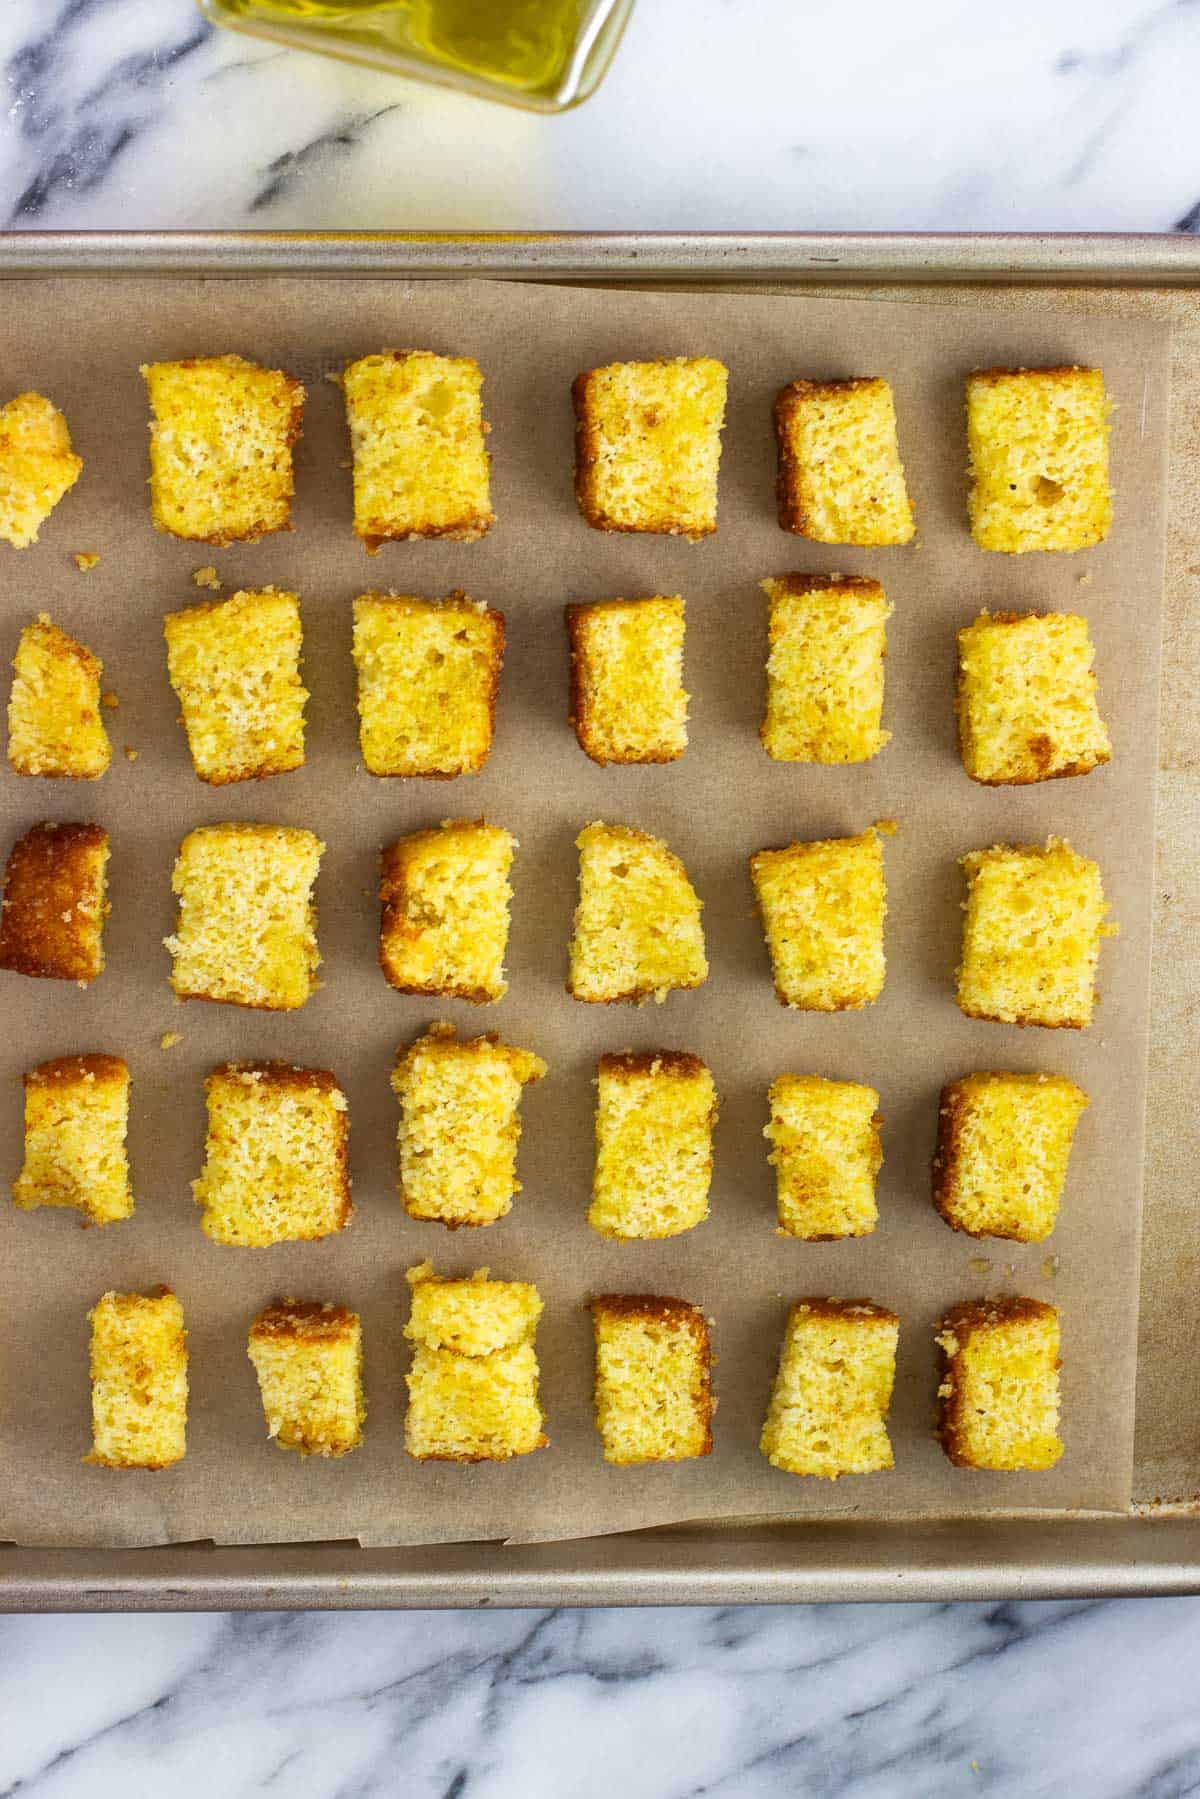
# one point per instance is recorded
(81, 342)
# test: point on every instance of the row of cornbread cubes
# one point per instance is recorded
(428, 673)
(648, 445)
(473, 1381)
(276, 1164)
(246, 930)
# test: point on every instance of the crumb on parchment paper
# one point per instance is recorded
(207, 577)
(110, 700)
(84, 560)
(169, 1039)
(131, 755)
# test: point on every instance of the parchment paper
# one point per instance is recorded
(81, 342)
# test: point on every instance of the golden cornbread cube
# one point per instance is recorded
(37, 466)
(648, 445)
(307, 1355)
(825, 1149)
(654, 1124)
(828, 640)
(421, 466)
(55, 904)
(428, 674)
(1038, 442)
(275, 1165)
(1026, 698)
(841, 479)
(221, 441)
(473, 1383)
(460, 1125)
(76, 1113)
(1002, 1149)
(54, 722)
(637, 924)
(445, 894)
(823, 905)
(235, 666)
(999, 1397)
(139, 1380)
(829, 1404)
(1031, 938)
(653, 1388)
(627, 697)
(247, 923)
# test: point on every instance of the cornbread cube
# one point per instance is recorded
(37, 466)
(54, 723)
(637, 924)
(648, 445)
(307, 1355)
(428, 673)
(55, 904)
(1038, 442)
(139, 1380)
(828, 639)
(825, 1149)
(829, 1405)
(1031, 940)
(1002, 1150)
(841, 479)
(1027, 699)
(654, 1400)
(473, 1383)
(999, 1394)
(275, 1167)
(823, 905)
(627, 698)
(221, 448)
(654, 1123)
(421, 467)
(76, 1112)
(445, 898)
(247, 922)
(235, 666)
(460, 1125)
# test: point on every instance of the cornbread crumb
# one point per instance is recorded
(169, 1039)
(648, 445)
(110, 700)
(841, 479)
(828, 1410)
(275, 1168)
(653, 1388)
(139, 1380)
(207, 577)
(247, 922)
(460, 1125)
(444, 928)
(654, 1123)
(428, 674)
(473, 1383)
(421, 467)
(54, 723)
(235, 667)
(826, 1152)
(55, 904)
(1002, 1150)
(823, 905)
(221, 448)
(307, 1355)
(1031, 940)
(1038, 441)
(76, 1113)
(37, 466)
(828, 640)
(1027, 698)
(627, 697)
(85, 560)
(999, 1395)
(637, 924)
(130, 754)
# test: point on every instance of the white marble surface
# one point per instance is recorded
(718, 114)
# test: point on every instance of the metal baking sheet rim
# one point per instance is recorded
(827, 1560)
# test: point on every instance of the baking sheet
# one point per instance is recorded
(721, 802)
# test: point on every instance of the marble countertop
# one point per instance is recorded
(719, 114)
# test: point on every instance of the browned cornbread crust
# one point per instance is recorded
(961, 1320)
(65, 1071)
(54, 906)
(302, 1320)
(647, 1061)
